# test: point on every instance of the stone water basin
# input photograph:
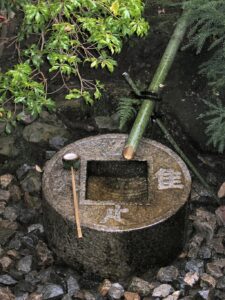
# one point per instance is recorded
(132, 212)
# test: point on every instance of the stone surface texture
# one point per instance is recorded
(114, 231)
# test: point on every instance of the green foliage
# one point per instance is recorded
(127, 109)
(214, 69)
(69, 33)
(208, 30)
(215, 120)
(76, 94)
(18, 87)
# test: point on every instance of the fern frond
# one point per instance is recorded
(214, 69)
(215, 120)
(207, 29)
(127, 109)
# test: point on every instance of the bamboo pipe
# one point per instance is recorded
(147, 106)
(169, 137)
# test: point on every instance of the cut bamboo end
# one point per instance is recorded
(128, 152)
(76, 205)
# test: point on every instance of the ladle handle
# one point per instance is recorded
(76, 206)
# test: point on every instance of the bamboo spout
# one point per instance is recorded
(147, 107)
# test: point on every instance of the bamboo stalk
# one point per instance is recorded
(147, 106)
(76, 205)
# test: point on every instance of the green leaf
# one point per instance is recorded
(97, 94)
(8, 128)
(19, 100)
(74, 94)
(54, 68)
(115, 7)
(87, 97)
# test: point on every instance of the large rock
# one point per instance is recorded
(110, 123)
(8, 147)
(57, 142)
(42, 132)
(32, 182)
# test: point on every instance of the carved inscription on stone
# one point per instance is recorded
(114, 214)
(169, 179)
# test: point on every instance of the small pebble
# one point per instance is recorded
(6, 294)
(72, 285)
(35, 296)
(44, 255)
(140, 286)
(104, 287)
(10, 213)
(116, 291)
(35, 227)
(5, 180)
(195, 265)
(163, 290)
(7, 280)
(4, 195)
(191, 278)
(131, 296)
(50, 291)
(207, 280)
(15, 193)
(221, 283)
(24, 264)
(167, 274)
(214, 270)
(5, 263)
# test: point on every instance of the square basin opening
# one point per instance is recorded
(117, 181)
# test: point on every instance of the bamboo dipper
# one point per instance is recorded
(72, 161)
